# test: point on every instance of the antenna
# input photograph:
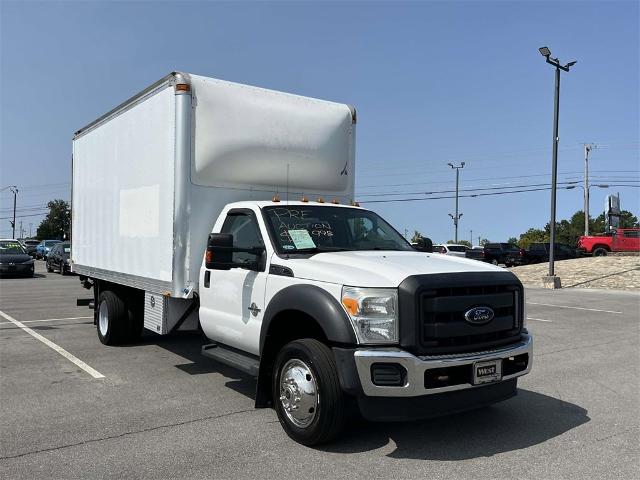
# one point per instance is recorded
(287, 184)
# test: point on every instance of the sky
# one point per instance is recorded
(433, 83)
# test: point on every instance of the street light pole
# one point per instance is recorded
(553, 281)
(587, 148)
(458, 216)
(14, 190)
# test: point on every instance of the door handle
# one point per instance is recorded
(207, 279)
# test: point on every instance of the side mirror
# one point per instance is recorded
(219, 251)
(424, 245)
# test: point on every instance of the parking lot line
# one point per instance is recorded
(539, 319)
(575, 308)
(48, 320)
(73, 359)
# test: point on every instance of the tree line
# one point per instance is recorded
(567, 231)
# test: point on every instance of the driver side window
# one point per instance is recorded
(246, 234)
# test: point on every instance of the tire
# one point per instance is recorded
(114, 324)
(49, 269)
(63, 270)
(317, 419)
(600, 252)
(494, 262)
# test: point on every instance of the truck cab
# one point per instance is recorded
(329, 305)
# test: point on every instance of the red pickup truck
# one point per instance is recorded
(622, 240)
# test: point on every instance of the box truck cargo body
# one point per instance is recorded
(204, 203)
(151, 176)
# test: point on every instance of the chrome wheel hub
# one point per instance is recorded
(298, 393)
(103, 319)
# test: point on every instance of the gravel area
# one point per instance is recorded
(610, 272)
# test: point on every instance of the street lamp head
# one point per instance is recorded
(450, 164)
(462, 164)
(571, 64)
(602, 186)
(545, 52)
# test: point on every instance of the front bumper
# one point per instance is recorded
(417, 368)
(18, 269)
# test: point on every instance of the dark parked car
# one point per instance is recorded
(14, 259)
(44, 247)
(30, 246)
(539, 252)
(498, 253)
(58, 258)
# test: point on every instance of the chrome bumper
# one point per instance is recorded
(416, 367)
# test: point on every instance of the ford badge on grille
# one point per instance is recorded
(479, 315)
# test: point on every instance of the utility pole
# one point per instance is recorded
(457, 217)
(552, 281)
(30, 225)
(20, 229)
(587, 148)
(471, 237)
(14, 190)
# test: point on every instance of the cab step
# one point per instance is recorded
(245, 362)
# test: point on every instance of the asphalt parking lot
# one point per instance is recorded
(161, 410)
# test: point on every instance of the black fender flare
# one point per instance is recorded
(318, 304)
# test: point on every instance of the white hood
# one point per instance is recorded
(378, 269)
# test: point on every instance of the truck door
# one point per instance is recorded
(629, 241)
(232, 301)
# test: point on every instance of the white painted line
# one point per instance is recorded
(50, 344)
(575, 308)
(47, 320)
(539, 319)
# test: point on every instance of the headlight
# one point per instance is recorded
(373, 313)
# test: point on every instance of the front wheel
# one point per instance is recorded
(306, 392)
(63, 269)
(494, 262)
(49, 269)
(600, 252)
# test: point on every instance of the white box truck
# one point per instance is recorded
(205, 203)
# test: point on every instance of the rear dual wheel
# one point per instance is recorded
(117, 322)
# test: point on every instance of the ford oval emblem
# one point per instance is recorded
(479, 315)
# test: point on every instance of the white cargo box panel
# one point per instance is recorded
(151, 177)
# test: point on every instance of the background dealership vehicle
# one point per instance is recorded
(59, 258)
(14, 259)
(498, 253)
(323, 301)
(622, 240)
(30, 246)
(44, 247)
(539, 252)
(451, 249)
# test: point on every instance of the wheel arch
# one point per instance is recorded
(298, 311)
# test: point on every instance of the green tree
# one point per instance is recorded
(512, 240)
(416, 236)
(533, 235)
(484, 241)
(57, 223)
(627, 220)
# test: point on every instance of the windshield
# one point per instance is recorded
(312, 228)
(457, 248)
(10, 247)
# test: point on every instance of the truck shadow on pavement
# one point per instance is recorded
(528, 419)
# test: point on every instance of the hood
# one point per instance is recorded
(378, 268)
(14, 258)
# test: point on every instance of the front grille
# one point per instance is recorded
(435, 309)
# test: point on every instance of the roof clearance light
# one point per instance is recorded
(355, 204)
(320, 200)
(335, 201)
(304, 199)
(182, 87)
(276, 198)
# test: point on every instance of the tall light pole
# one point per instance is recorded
(457, 217)
(587, 148)
(14, 190)
(545, 52)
